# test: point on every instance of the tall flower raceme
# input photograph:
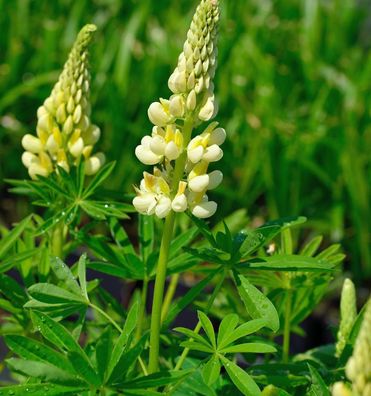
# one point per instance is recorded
(65, 134)
(181, 176)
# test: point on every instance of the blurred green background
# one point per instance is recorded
(293, 84)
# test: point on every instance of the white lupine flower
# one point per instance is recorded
(192, 101)
(166, 142)
(205, 209)
(145, 154)
(206, 146)
(180, 202)
(64, 131)
(153, 195)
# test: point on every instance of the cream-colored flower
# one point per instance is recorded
(64, 130)
(192, 102)
(206, 146)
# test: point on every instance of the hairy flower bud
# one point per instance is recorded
(348, 314)
(196, 64)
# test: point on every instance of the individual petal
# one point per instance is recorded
(205, 209)
(163, 207)
(199, 183)
(94, 163)
(216, 177)
(92, 134)
(195, 154)
(36, 169)
(179, 203)
(217, 136)
(172, 151)
(191, 100)
(77, 147)
(52, 145)
(177, 106)
(158, 115)
(144, 203)
(32, 144)
(158, 145)
(28, 158)
(178, 82)
(146, 156)
(207, 111)
(213, 153)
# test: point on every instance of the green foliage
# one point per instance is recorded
(251, 283)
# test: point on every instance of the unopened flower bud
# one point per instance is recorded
(32, 144)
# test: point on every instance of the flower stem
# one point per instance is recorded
(287, 326)
(167, 235)
(198, 326)
(169, 296)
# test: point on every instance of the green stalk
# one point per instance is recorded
(169, 296)
(198, 326)
(164, 256)
(287, 326)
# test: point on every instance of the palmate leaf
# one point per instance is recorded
(18, 258)
(197, 346)
(43, 371)
(64, 275)
(191, 334)
(81, 269)
(49, 389)
(51, 294)
(187, 299)
(127, 361)
(252, 347)
(245, 329)
(227, 325)
(211, 370)
(84, 368)
(257, 304)
(121, 237)
(12, 290)
(31, 349)
(208, 328)
(103, 351)
(286, 262)
(11, 237)
(98, 179)
(155, 380)
(240, 378)
(55, 333)
(120, 345)
(280, 374)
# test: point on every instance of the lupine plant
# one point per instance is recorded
(251, 288)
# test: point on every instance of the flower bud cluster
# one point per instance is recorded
(358, 368)
(348, 314)
(192, 102)
(64, 131)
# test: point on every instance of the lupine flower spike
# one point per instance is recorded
(170, 188)
(64, 131)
